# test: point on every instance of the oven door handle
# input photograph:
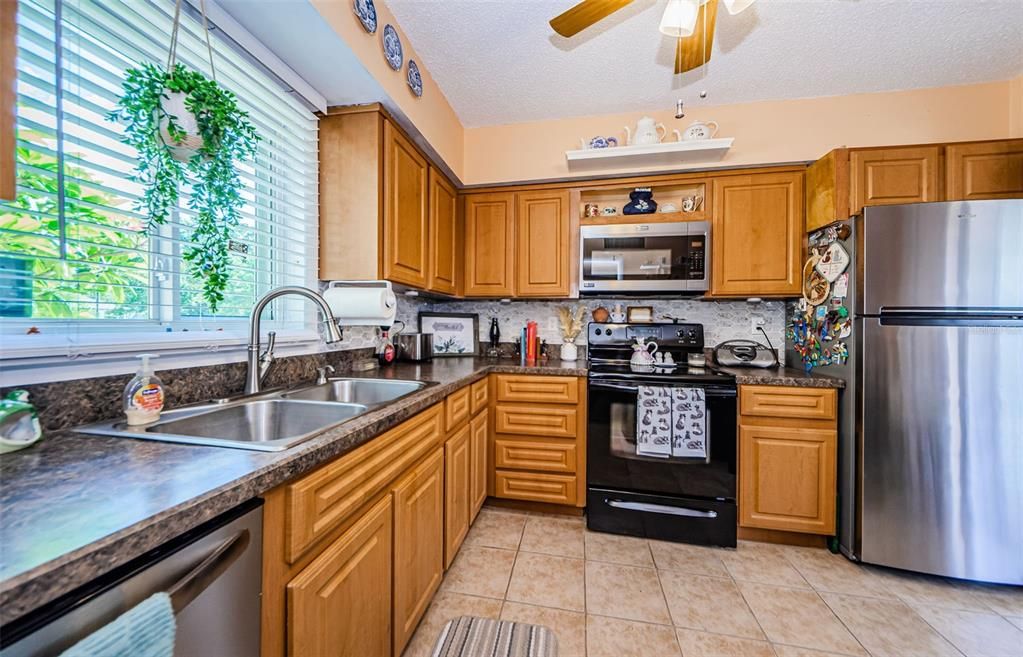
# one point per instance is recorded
(613, 386)
(661, 508)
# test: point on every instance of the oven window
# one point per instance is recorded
(639, 258)
(622, 435)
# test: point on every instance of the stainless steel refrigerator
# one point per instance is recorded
(931, 448)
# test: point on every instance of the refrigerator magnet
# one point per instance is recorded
(834, 261)
(840, 288)
(846, 330)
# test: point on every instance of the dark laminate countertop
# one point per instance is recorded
(74, 507)
(782, 376)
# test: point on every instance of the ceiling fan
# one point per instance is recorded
(690, 21)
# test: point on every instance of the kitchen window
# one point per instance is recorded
(77, 272)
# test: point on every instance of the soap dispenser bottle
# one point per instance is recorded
(143, 396)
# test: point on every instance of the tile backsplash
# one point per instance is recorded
(722, 320)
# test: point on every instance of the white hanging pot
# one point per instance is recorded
(173, 104)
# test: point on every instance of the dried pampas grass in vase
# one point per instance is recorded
(571, 321)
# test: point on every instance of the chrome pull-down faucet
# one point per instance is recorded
(260, 364)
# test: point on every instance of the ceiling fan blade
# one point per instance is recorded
(694, 51)
(584, 14)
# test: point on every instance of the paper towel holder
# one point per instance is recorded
(335, 290)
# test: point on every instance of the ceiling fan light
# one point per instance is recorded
(736, 6)
(679, 18)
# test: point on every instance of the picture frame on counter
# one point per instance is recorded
(636, 314)
(454, 334)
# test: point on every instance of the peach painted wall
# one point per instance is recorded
(431, 114)
(765, 132)
(1016, 107)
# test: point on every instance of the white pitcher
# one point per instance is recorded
(700, 130)
(647, 132)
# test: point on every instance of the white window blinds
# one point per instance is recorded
(73, 257)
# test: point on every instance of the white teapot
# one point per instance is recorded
(647, 132)
(700, 130)
(641, 354)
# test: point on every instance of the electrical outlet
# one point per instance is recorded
(755, 322)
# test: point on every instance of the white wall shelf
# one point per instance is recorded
(665, 152)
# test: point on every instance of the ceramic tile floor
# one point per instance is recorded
(615, 596)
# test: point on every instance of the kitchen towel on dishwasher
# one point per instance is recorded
(145, 630)
(653, 421)
(689, 423)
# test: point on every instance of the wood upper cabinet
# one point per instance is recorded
(887, 176)
(542, 244)
(984, 170)
(418, 544)
(757, 235)
(479, 429)
(406, 221)
(445, 254)
(827, 190)
(457, 491)
(340, 604)
(490, 245)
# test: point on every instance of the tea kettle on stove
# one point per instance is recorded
(641, 354)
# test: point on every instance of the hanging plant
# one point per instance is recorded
(188, 129)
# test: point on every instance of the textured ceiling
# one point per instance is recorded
(498, 61)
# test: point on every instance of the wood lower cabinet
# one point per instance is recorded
(490, 245)
(887, 176)
(757, 235)
(788, 444)
(542, 240)
(418, 544)
(340, 604)
(479, 429)
(984, 170)
(538, 446)
(444, 244)
(406, 219)
(457, 491)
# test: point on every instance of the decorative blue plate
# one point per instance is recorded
(367, 13)
(392, 47)
(415, 79)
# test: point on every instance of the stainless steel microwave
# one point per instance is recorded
(645, 258)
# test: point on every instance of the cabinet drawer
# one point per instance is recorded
(781, 401)
(534, 455)
(533, 388)
(551, 421)
(480, 395)
(321, 501)
(535, 487)
(456, 408)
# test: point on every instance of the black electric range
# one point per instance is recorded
(680, 496)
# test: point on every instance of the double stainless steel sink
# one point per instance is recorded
(270, 421)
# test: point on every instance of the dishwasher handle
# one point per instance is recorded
(191, 586)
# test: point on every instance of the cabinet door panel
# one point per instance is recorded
(340, 604)
(444, 243)
(787, 478)
(756, 241)
(489, 245)
(984, 170)
(457, 489)
(406, 222)
(418, 544)
(480, 428)
(542, 244)
(890, 176)
(532, 420)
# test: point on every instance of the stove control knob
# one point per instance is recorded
(596, 331)
(680, 333)
(607, 332)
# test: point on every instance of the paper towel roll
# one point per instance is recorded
(362, 306)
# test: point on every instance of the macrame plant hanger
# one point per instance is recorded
(172, 55)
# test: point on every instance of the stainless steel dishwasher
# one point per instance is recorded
(219, 564)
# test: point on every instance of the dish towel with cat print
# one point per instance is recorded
(689, 423)
(653, 421)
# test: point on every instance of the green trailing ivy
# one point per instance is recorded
(228, 137)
